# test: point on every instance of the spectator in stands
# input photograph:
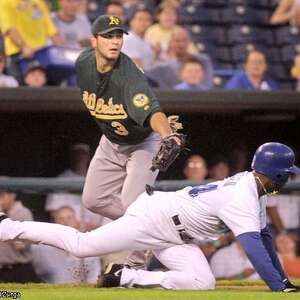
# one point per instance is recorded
(288, 208)
(231, 262)
(167, 70)
(5, 80)
(75, 29)
(253, 77)
(295, 71)
(135, 45)
(288, 255)
(192, 75)
(35, 76)
(159, 34)
(26, 26)
(57, 266)
(238, 158)
(131, 5)
(115, 8)
(79, 159)
(15, 257)
(218, 168)
(195, 168)
(287, 11)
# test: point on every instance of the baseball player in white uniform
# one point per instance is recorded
(171, 224)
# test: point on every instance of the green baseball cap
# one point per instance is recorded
(105, 23)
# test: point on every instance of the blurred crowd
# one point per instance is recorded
(182, 45)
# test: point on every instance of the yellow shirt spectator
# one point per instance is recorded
(30, 18)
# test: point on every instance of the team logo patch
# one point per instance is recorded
(141, 100)
(113, 20)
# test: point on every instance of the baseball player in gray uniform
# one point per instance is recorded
(119, 99)
(173, 223)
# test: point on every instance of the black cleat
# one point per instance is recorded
(3, 216)
(111, 276)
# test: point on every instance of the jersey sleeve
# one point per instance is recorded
(241, 214)
(140, 99)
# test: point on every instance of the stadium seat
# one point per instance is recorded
(195, 14)
(242, 14)
(288, 52)
(209, 48)
(266, 4)
(223, 65)
(267, 36)
(206, 3)
(287, 85)
(224, 54)
(244, 34)
(215, 34)
(287, 35)
(94, 9)
(278, 71)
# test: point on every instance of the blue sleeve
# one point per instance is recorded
(269, 245)
(260, 259)
(232, 84)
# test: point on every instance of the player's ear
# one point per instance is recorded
(93, 41)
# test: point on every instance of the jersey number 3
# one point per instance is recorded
(119, 128)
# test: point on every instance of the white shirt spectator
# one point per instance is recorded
(138, 48)
(231, 261)
(288, 207)
(54, 265)
(73, 32)
(8, 81)
(55, 201)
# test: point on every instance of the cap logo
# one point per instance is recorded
(113, 20)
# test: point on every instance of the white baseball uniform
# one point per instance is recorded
(169, 223)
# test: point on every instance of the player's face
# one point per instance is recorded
(109, 45)
(274, 188)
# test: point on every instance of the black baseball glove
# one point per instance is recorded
(170, 148)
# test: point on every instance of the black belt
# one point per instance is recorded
(181, 230)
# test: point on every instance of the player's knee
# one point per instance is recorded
(82, 248)
(207, 282)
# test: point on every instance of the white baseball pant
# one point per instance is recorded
(188, 267)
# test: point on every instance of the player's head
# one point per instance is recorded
(276, 162)
(107, 37)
